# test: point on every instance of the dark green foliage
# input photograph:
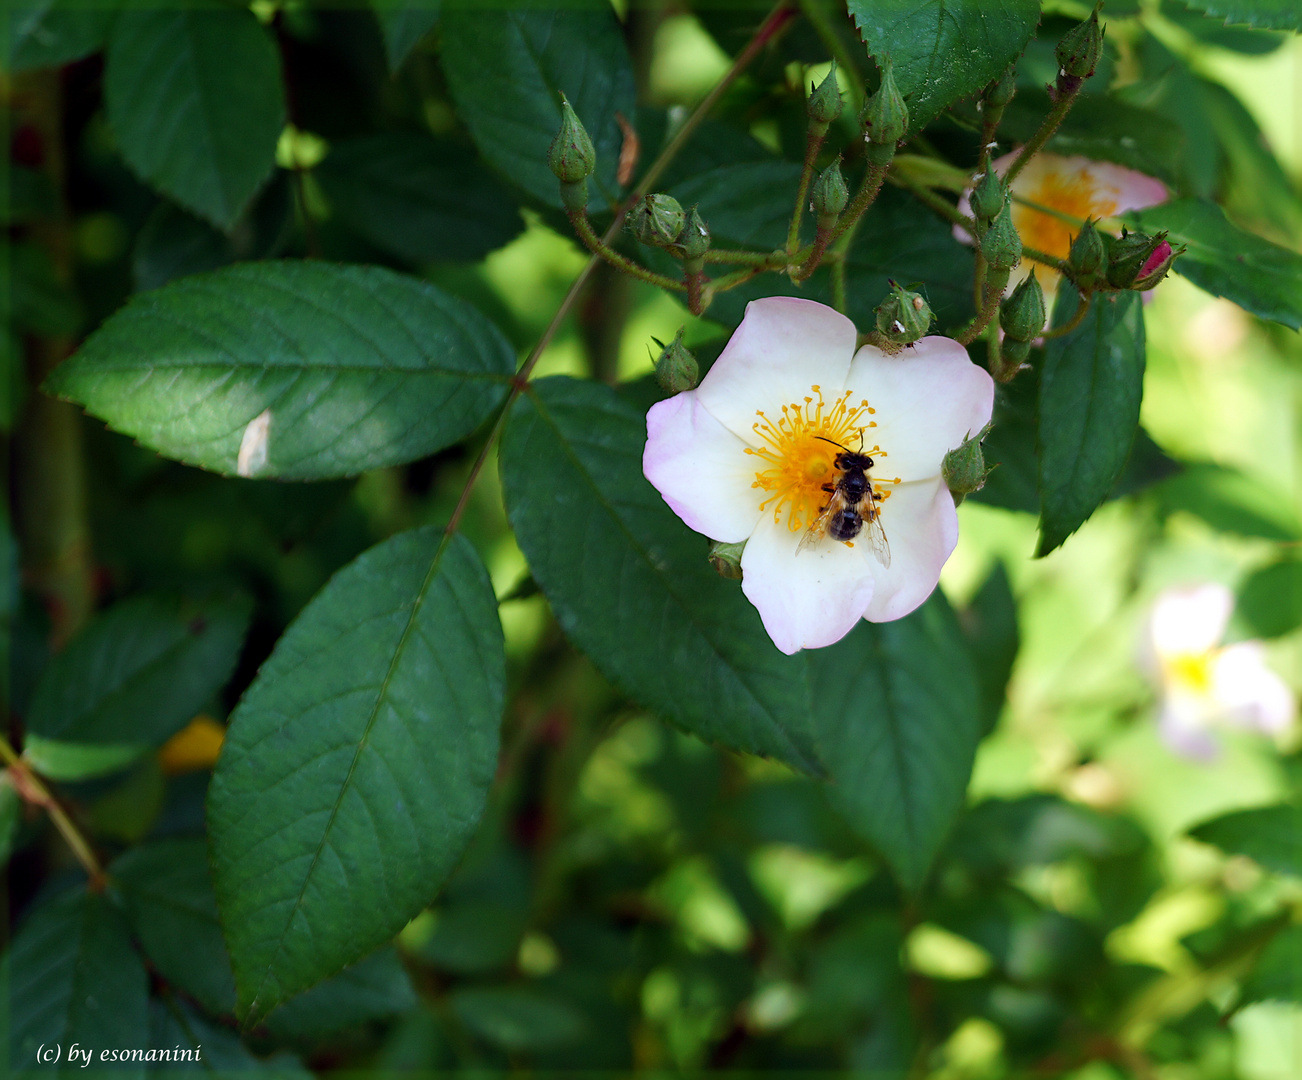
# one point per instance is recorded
(1270, 601)
(1272, 835)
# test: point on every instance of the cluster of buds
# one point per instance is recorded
(902, 318)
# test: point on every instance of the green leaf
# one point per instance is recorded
(372, 989)
(1230, 501)
(1090, 391)
(210, 1049)
(356, 765)
(139, 672)
(1277, 974)
(989, 623)
(50, 33)
(419, 198)
(1263, 14)
(77, 761)
(1270, 602)
(73, 977)
(507, 73)
(519, 1019)
(167, 892)
(630, 584)
(1259, 276)
(1270, 835)
(402, 24)
(943, 50)
(288, 369)
(194, 97)
(899, 715)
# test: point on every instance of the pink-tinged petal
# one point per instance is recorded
(783, 346)
(701, 469)
(1190, 620)
(1252, 695)
(805, 600)
(921, 526)
(928, 398)
(1183, 729)
(1128, 189)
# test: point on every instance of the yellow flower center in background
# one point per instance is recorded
(1191, 671)
(795, 461)
(1071, 193)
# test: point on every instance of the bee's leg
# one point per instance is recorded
(828, 488)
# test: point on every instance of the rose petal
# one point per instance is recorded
(928, 398)
(1182, 729)
(921, 526)
(701, 469)
(783, 346)
(1189, 620)
(1252, 695)
(805, 600)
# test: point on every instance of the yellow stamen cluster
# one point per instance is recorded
(795, 461)
(1071, 193)
(1190, 671)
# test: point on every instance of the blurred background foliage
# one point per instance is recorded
(635, 899)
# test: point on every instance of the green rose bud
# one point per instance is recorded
(964, 468)
(1000, 92)
(1022, 314)
(571, 156)
(1088, 257)
(1012, 358)
(824, 104)
(726, 559)
(657, 220)
(988, 197)
(1079, 50)
(694, 241)
(1137, 260)
(1001, 245)
(829, 194)
(904, 316)
(676, 368)
(885, 119)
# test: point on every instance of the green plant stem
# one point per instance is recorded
(695, 282)
(744, 258)
(837, 276)
(599, 247)
(1047, 127)
(1082, 309)
(33, 790)
(978, 278)
(993, 292)
(863, 198)
(813, 143)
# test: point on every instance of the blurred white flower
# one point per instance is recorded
(1204, 684)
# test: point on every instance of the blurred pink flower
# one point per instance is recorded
(1203, 684)
(743, 458)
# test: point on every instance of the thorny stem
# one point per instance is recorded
(993, 292)
(1082, 309)
(33, 790)
(864, 198)
(1049, 125)
(776, 22)
(813, 143)
(695, 281)
(598, 246)
(747, 258)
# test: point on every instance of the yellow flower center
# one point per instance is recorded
(1191, 671)
(797, 465)
(1070, 193)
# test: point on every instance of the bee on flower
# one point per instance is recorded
(825, 462)
(1203, 684)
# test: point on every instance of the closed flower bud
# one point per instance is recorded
(1000, 92)
(824, 104)
(1080, 48)
(885, 119)
(726, 559)
(964, 468)
(1089, 257)
(1001, 245)
(829, 194)
(656, 220)
(695, 239)
(904, 316)
(988, 197)
(1022, 314)
(1137, 260)
(571, 156)
(676, 368)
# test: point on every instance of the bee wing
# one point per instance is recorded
(877, 539)
(818, 527)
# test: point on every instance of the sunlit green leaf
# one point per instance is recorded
(1264, 14)
(194, 97)
(1277, 973)
(1271, 835)
(356, 765)
(1090, 390)
(292, 369)
(1231, 501)
(989, 623)
(630, 583)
